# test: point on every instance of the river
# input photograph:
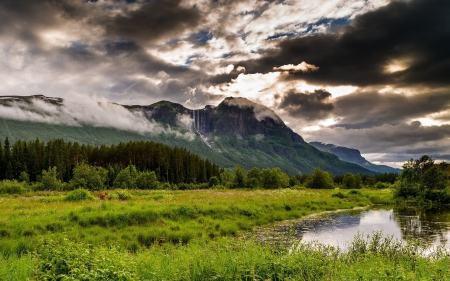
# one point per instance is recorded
(431, 227)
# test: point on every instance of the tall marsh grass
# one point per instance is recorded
(375, 258)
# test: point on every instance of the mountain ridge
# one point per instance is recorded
(353, 155)
(237, 131)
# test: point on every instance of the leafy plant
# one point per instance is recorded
(78, 195)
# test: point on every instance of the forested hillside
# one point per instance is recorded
(171, 164)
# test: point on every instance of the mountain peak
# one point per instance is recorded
(260, 111)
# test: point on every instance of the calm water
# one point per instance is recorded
(431, 227)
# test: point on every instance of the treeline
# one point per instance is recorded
(352, 181)
(170, 164)
(274, 178)
(61, 165)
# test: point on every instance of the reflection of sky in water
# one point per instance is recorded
(343, 228)
(340, 229)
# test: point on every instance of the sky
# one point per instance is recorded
(368, 74)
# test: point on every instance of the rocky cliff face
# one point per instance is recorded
(239, 117)
(252, 135)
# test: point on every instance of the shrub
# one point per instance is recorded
(78, 195)
(405, 189)
(354, 192)
(123, 195)
(24, 177)
(126, 178)
(339, 195)
(89, 177)
(50, 179)
(382, 185)
(213, 181)
(12, 187)
(146, 180)
(166, 186)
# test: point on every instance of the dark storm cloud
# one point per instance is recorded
(310, 106)
(413, 33)
(23, 17)
(370, 109)
(154, 20)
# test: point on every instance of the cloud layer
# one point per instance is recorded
(334, 70)
(95, 112)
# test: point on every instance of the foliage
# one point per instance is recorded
(24, 177)
(371, 257)
(126, 178)
(274, 178)
(78, 195)
(423, 181)
(213, 181)
(146, 180)
(50, 180)
(122, 195)
(239, 177)
(174, 164)
(88, 177)
(320, 179)
(68, 260)
(349, 181)
(12, 187)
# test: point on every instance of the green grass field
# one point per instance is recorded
(192, 235)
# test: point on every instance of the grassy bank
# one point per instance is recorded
(228, 259)
(139, 219)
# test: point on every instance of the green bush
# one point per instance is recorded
(126, 178)
(122, 195)
(12, 187)
(339, 195)
(88, 177)
(50, 180)
(382, 185)
(404, 188)
(354, 192)
(78, 195)
(213, 181)
(146, 180)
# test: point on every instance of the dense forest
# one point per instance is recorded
(61, 165)
(175, 165)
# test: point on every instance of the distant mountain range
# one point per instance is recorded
(237, 131)
(353, 156)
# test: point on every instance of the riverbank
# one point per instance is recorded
(145, 232)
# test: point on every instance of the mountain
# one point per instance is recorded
(353, 156)
(237, 131)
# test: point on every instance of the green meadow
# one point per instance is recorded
(137, 219)
(191, 235)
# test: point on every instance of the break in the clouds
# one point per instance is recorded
(334, 70)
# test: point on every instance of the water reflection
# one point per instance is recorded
(432, 227)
